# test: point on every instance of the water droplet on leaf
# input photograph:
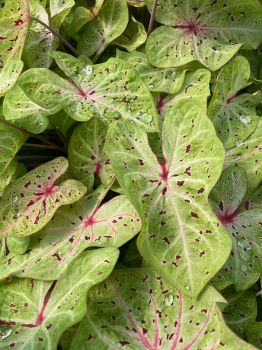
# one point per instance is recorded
(187, 288)
(14, 199)
(4, 332)
(169, 300)
(88, 70)
(245, 252)
(147, 118)
(243, 268)
(245, 119)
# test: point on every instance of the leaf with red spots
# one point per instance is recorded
(248, 155)
(240, 310)
(168, 80)
(133, 309)
(107, 26)
(171, 197)
(86, 154)
(31, 201)
(233, 114)
(73, 229)
(108, 91)
(9, 75)
(244, 265)
(37, 313)
(210, 32)
(14, 19)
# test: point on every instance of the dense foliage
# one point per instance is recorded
(130, 174)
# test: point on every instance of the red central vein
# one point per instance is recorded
(160, 104)
(84, 94)
(41, 317)
(164, 171)
(230, 99)
(227, 218)
(179, 322)
(194, 339)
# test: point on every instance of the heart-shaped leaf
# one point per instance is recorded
(180, 233)
(241, 309)
(14, 19)
(134, 309)
(134, 36)
(244, 265)
(168, 80)
(234, 116)
(108, 90)
(248, 155)
(210, 32)
(104, 29)
(36, 312)
(86, 154)
(31, 201)
(73, 229)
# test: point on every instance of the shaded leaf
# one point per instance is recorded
(87, 156)
(180, 233)
(254, 332)
(234, 115)
(244, 265)
(104, 29)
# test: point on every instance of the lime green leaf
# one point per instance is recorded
(14, 19)
(17, 245)
(9, 75)
(37, 313)
(31, 201)
(134, 36)
(72, 230)
(86, 154)
(168, 80)
(105, 28)
(209, 32)
(180, 233)
(234, 115)
(134, 309)
(244, 265)
(107, 90)
(136, 3)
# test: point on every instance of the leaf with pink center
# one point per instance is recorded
(30, 202)
(107, 91)
(36, 313)
(86, 154)
(134, 309)
(73, 229)
(210, 32)
(107, 26)
(233, 114)
(244, 265)
(180, 233)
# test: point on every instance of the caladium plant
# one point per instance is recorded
(130, 174)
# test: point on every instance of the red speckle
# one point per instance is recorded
(230, 99)
(226, 217)
(194, 215)
(98, 168)
(188, 148)
(19, 22)
(180, 183)
(160, 104)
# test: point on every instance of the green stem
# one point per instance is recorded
(59, 36)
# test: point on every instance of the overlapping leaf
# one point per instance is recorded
(31, 201)
(134, 309)
(36, 313)
(108, 90)
(248, 155)
(244, 265)
(167, 80)
(9, 75)
(241, 309)
(234, 115)
(210, 32)
(87, 157)
(73, 229)
(105, 28)
(180, 233)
